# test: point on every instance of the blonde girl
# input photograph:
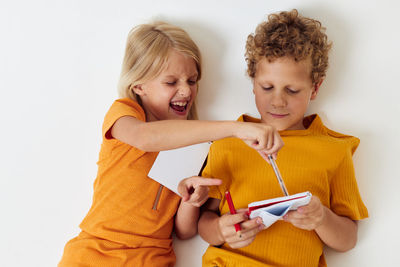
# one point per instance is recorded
(132, 216)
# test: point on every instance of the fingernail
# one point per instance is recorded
(259, 221)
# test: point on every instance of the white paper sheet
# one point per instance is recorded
(172, 166)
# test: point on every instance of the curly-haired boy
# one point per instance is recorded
(287, 59)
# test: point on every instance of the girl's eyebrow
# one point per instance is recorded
(168, 76)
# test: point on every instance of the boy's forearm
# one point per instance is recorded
(209, 229)
(186, 220)
(337, 232)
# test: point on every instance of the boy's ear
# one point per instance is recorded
(316, 89)
(138, 89)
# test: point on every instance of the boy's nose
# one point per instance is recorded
(278, 100)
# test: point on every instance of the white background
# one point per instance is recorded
(59, 66)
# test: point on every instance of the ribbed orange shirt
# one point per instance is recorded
(315, 159)
(131, 218)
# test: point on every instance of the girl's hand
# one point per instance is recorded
(307, 217)
(262, 137)
(194, 190)
(249, 228)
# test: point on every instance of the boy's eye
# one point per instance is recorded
(267, 88)
(192, 82)
(171, 83)
(291, 91)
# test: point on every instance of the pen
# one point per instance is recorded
(278, 175)
(233, 211)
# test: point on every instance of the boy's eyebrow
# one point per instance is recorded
(264, 81)
(287, 83)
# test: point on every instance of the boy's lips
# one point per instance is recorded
(278, 115)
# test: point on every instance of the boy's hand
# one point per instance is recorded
(307, 217)
(262, 137)
(250, 228)
(194, 190)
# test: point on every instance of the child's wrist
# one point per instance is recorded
(236, 126)
(189, 205)
(324, 218)
(220, 236)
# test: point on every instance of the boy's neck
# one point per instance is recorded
(304, 124)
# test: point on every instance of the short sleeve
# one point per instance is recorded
(120, 108)
(345, 196)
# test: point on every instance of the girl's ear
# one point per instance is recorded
(138, 89)
(316, 89)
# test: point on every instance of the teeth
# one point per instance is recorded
(182, 104)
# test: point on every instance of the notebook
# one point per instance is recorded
(271, 210)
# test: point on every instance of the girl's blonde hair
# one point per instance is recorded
(146, 54)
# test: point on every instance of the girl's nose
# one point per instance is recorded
(184, 90)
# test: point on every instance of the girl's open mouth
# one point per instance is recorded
(179, 107)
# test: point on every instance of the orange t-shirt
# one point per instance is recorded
(131, 218)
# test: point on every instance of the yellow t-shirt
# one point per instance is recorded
(131, 218)
(315, 159)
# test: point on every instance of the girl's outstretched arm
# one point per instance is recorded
(194, 192)
(170, 134)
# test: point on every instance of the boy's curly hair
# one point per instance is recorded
(289, 34)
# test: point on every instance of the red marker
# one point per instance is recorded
(233, 211)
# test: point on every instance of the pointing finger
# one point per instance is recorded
(206, 181)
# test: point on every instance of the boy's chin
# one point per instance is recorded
(285, 126)
(278, 126)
